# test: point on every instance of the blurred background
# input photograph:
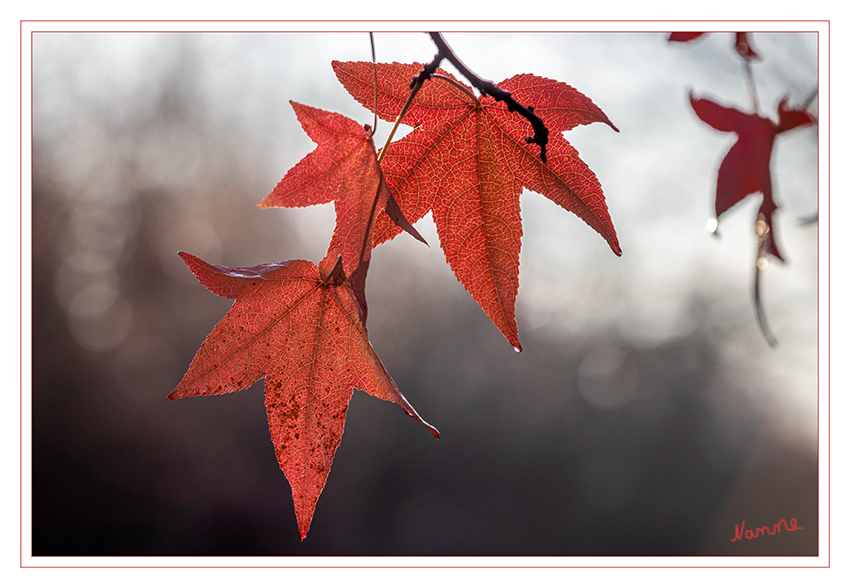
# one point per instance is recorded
(646, 414)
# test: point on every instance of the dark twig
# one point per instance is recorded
(541, 133)
(808, 220)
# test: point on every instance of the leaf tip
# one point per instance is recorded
(178, 393)
(511, 333)
(397, 216)
(614, 244)
(412, 413)
(188, 258)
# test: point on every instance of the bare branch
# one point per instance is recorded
(541, 133)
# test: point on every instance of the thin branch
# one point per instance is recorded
(762, 319)
(413, 91)
(486, 87)
(375, 74)
(808, 220)
(762, 230)
(415, 85)
(811, 97)
(335, 273)
(751, 85)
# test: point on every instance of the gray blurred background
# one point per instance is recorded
(645, 416)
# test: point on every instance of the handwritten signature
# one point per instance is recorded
(761, 531)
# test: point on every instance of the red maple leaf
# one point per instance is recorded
(299, 327)
(745, 169)
(467, 162)
(344, 169)
(742, 42)
(683, 37)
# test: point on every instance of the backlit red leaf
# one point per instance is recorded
(745, 169)
(682, 37)
(742, 42)
(299, 327)
(467, 162)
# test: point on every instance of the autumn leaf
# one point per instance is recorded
(742, 42)
(467, 161)
(745, 169)
(683, 37)
(343, 168)
(299, 327)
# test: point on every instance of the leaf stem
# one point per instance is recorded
(809, 99)
(375, 75)
(762, 319)
(413, 91)
(751, 85)
(334, 273)
(808, 220)
(762, 230)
